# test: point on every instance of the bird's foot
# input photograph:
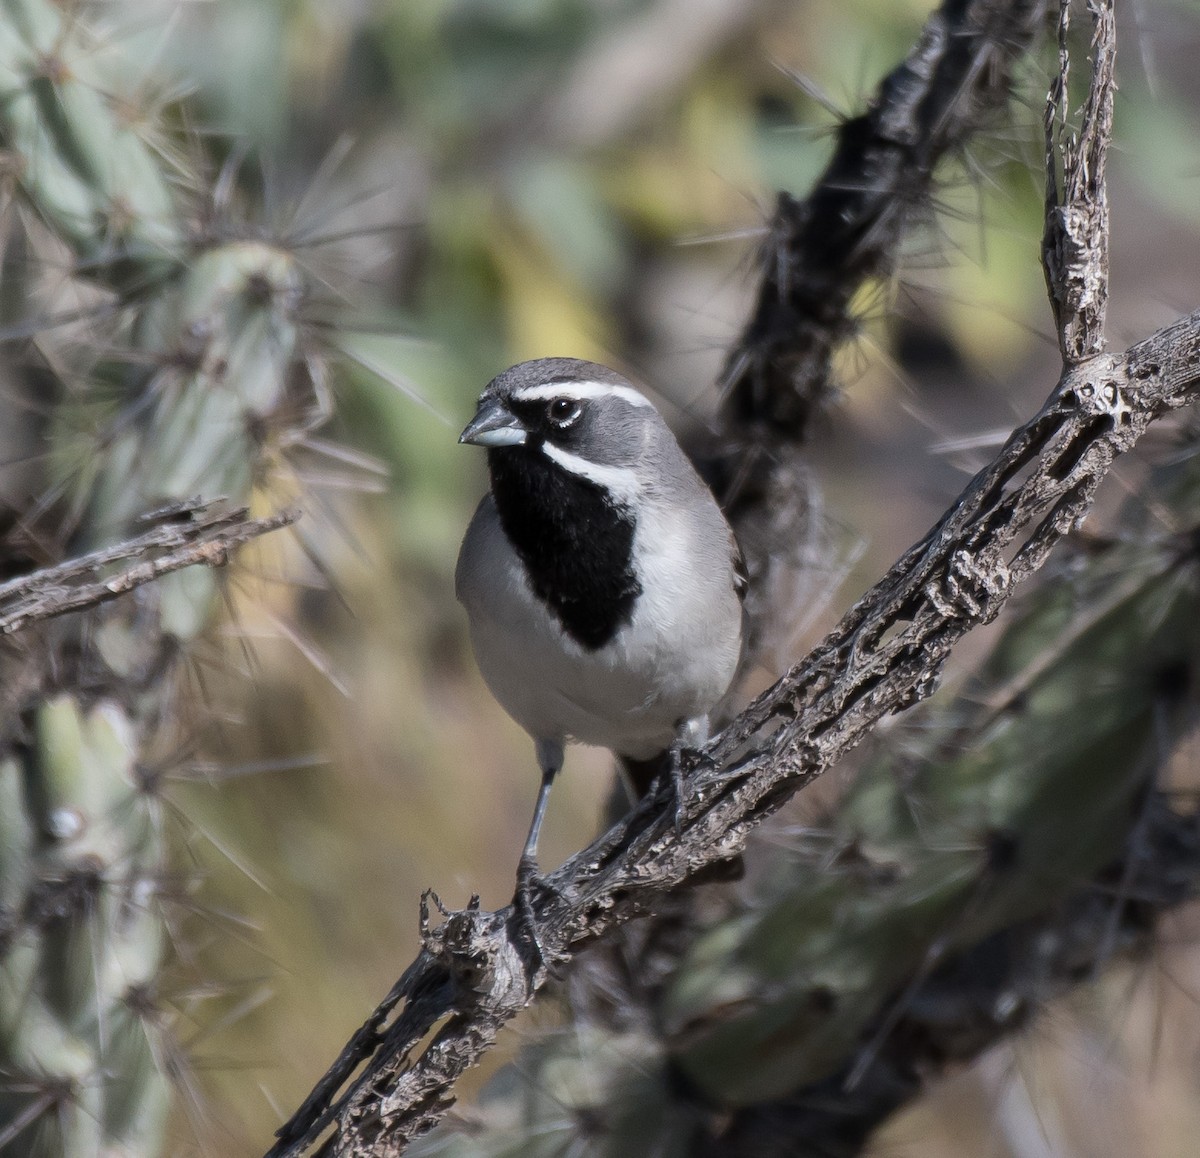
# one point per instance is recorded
(524, 918)
(678, 788)
(678, 785)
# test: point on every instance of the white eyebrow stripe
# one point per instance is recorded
(580, 392)
(620, 481)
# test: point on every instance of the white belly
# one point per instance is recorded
(673, 662)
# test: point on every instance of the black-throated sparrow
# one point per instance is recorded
(601, 581)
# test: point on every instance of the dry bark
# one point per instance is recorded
(186, 535)
(475, 971)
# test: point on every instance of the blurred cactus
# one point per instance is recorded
(196, 391)
(78, 149)
(991, 810)
(1025, 790)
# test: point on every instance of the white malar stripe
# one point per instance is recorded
(620, 481)
(581, 392)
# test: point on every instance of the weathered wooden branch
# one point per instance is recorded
(187, 535)
(957, 1006)
(1075, 241)
(884, 656)
(474, 974)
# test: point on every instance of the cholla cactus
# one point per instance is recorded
(196, 392)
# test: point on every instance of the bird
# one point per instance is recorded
(602, 584)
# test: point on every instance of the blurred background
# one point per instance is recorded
(475, 182)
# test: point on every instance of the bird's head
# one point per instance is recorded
(581, 416)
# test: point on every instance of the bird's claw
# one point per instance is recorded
(525, 922)
(677, 786)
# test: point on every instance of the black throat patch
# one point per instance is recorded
(576, 542)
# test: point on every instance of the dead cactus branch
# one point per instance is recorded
(390, 1085)
(884, 656)
(188, 535)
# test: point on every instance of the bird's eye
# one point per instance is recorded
(564, 411)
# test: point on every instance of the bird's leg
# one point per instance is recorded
(550, 759)
(527, 866)
(689, 734)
